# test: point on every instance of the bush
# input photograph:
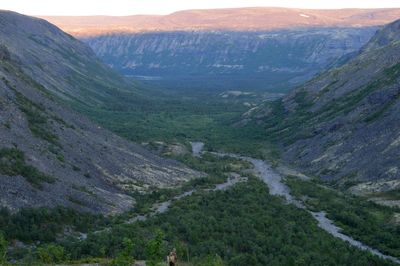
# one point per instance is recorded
(155, 250)
(124, 257)
(51, 254)
(3, 249)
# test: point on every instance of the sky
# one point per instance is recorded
(161, 7)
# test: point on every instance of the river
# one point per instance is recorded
(278, 188)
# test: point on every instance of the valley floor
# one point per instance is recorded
(232, 214)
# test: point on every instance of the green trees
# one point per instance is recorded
(3, 249)
(51, 254)
(364, 220)
(44, 225)
(124, 257)
(155, 250)
(242, 225)
(212, 260)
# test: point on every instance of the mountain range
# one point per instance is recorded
(272, 49)
(234, 19)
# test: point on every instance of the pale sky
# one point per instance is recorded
(133, 7)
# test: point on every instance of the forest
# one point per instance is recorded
(238, 226)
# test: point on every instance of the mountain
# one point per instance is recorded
(271, 49)
(235, 19)
(222, 60)
(50, 155)
(65, 66)
(343, 125)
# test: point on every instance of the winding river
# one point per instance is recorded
(276, 187)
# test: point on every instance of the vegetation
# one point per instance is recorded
(217, 170)
(44, 225)
(155, 249)
(239, 226)
(364, 220)
(171, 118)
(37, 119)
(12, 163)
(3, 249)
(286, 128)
(243, 225)
(124, 257)
(51, 254)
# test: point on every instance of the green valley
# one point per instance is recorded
(97, 168)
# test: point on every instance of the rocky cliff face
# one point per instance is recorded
(345, 123)
(243, 60)
(50, 155)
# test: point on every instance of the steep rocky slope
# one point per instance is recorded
(65, 66)
(345, 123)
(230, 59)
(234, 19)
(50, 155)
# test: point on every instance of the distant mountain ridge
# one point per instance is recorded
(235, 19)
(271, 49)
(223, 60)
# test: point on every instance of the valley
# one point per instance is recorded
(104, 163)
